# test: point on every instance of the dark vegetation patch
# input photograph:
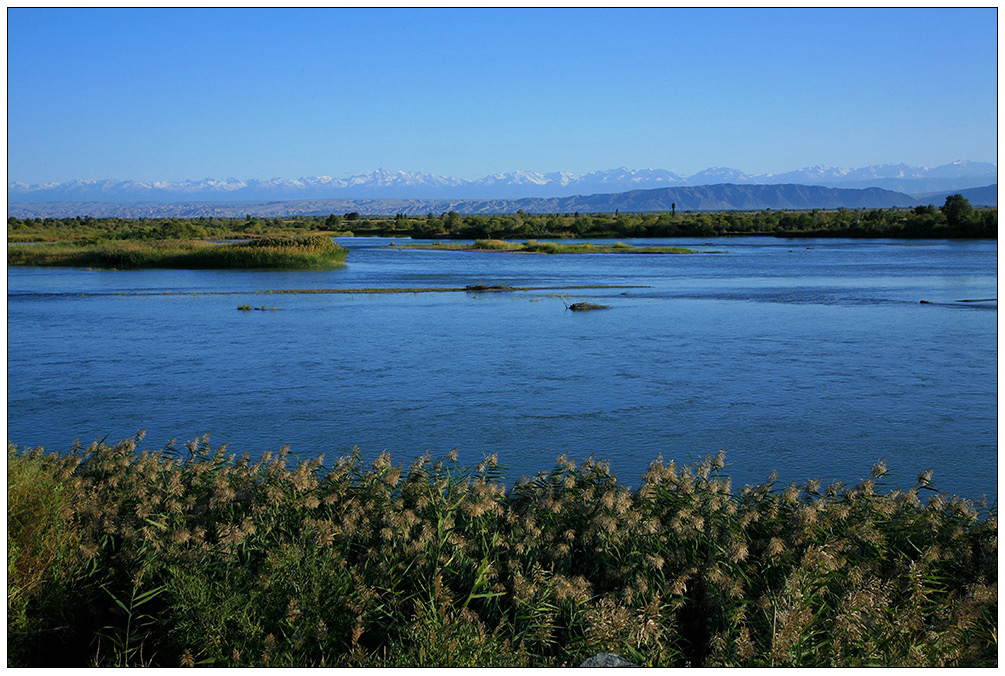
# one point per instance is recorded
(586, 307)
(488, 287)
(534, 246)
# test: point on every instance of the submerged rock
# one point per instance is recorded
(492, 287)
(582, 306)
(607, 660)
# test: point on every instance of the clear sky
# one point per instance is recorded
(172, 94)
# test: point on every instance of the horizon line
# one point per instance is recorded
(382, 169)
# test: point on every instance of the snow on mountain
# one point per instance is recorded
(715, 175)
(814, 174)
(963, 168)
(635, 177)
(516, 184)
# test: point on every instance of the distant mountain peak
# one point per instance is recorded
(389, 183)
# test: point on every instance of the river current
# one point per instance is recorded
(815, 358)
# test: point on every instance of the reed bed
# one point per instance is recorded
(276, 252)
(194, 556)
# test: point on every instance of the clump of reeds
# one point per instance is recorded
(195, 556)
(494, 245)
(544, 247)
(266, 252)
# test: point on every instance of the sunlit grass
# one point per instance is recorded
(196, 556)
(267, 253)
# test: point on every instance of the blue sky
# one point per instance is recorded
(172, 94)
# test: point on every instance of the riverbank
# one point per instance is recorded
(192, 556)
(278, 252)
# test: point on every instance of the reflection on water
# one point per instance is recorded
(812, 357)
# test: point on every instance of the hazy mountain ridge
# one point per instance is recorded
(518, 184)
(721, 197)
(983, 196)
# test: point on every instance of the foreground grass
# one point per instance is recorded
(195, 557)
(266, 252)
(533, 246)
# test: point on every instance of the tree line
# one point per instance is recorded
(954, 219)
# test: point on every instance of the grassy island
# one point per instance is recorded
(192, 556)
(533, 246)
(276, 252)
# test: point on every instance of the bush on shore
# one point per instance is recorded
(197, 557)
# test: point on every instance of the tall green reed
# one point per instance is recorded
(287, 562)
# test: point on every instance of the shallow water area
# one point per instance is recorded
(812, 357)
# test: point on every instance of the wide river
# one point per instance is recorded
(814, 358)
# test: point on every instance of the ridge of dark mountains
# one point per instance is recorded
(721, 197)
(985, 196)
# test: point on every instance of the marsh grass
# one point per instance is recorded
(195, 556)
(494, 245)
(267, 253)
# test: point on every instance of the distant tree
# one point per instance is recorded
(957, 211)
(252, 225)
(928, 210)
(352, 216)
(176, 229)
(432, 227)
(333, 222)
(452, 221)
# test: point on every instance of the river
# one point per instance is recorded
(812, 357)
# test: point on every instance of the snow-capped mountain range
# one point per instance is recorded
(402, 184)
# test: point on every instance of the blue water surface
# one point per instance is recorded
(814, 358)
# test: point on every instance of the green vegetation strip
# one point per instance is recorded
(533, 246)
(278, 252)
(955, 218)
(192, 556)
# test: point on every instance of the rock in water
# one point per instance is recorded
(607, 660)
(581, 307)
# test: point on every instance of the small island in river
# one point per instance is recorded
(534, 246)
(269, 252)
